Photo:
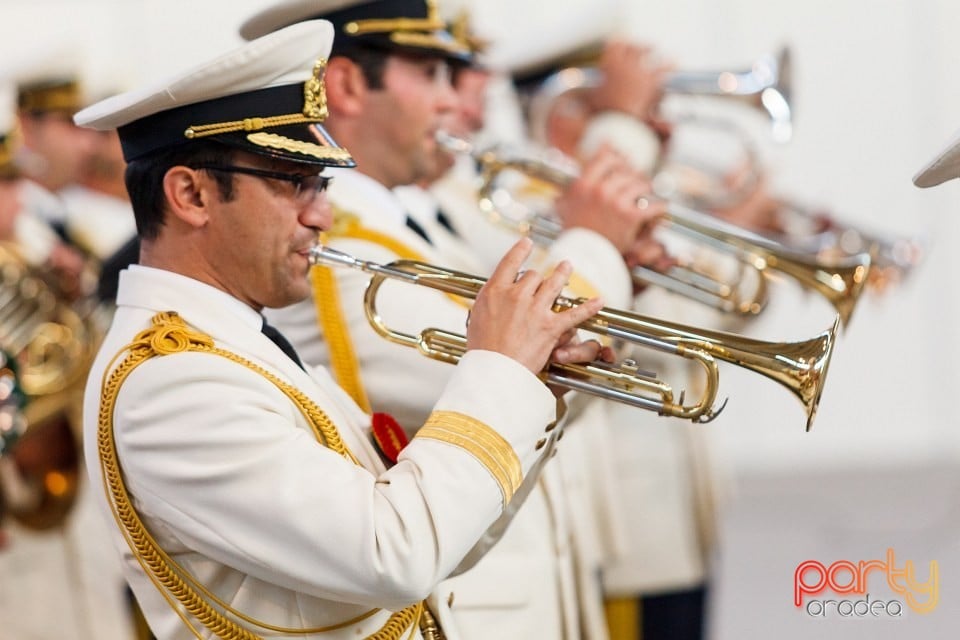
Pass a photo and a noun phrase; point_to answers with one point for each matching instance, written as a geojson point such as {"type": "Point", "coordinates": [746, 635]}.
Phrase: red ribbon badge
{"type": "Point", "coordinates": [388, 436]}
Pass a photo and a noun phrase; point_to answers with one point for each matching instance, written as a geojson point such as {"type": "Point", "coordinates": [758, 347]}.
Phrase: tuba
{"type": "Point", "coordinates": [48, 346]}
{"type": "Point", "coordinates": [801, 367]}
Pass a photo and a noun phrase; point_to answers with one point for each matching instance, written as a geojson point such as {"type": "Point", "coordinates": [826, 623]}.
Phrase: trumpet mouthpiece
{"type": "Point", "coordinates": [452, 143]}
{"type": "Point", "coordinates": [327, 256]}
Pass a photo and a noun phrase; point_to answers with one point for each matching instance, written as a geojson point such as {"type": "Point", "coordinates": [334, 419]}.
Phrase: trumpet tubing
{"type": "Point", "coordinates": [765, 86]}
{"type": "Point", "coordinates": [682, 279]}
{"type": "Point", "coordinates": [840, 281]}
{"type": "Point", "coordinates": [801, 367]}
{"type": "Point", "coordinates": [819, 233]}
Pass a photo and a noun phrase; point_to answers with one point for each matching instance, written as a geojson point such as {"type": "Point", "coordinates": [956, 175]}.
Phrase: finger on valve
{"type": "Point", "coordinates": [516, 317]}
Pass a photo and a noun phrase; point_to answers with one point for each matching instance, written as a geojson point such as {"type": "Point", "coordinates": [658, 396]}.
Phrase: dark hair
{"type": "Point", "coordinates": [371, 60]}
{"type": "Point", "coordinates": [144, 180]}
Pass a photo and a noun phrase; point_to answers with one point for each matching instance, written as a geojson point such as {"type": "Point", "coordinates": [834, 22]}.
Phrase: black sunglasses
{"type": "Point", "coordinates": [305, 184]}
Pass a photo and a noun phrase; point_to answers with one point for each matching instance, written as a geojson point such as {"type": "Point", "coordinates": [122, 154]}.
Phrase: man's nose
{"type": "Point", "coordinates": [318, 214]}
{"type": "Point", "coordinates": [447, 99]}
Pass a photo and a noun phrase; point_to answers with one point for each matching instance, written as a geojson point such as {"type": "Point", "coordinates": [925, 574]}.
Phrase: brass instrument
{"type": "Point", "coordinates": [802, 229]}
{"type": "Point", "coordinates": [799, 366]}
{"type": "Point", "coordinates": [819, 233]}
{"type": "Point", "coordinates": [839, 280]}
{"type": "Point", "coordinates": [499, 206]}
{"type": "Point", "coordinates": [765, 85]}
{"type": "Point", "coordinates": [12, 401]}
{"type": "Point", "coordinates": [51, 345]}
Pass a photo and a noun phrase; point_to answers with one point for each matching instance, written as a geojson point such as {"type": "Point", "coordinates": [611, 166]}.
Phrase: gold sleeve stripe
{"type": "Point", "coordinates": [504, 462]}
{"type": "Point", "coordinates": [498, 447]}
{"type": "Point", "coordinates": [480, 441]}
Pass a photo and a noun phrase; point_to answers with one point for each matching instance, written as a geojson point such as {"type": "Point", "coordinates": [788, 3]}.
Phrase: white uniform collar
{"type": "Point", "coordinates": [203, 306]}
{"type": "Point", "coordinates": [363, 196]}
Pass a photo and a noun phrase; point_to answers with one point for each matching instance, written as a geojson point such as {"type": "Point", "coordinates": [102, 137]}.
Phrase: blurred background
{"type": "Point", "coordinates": [875, 95]}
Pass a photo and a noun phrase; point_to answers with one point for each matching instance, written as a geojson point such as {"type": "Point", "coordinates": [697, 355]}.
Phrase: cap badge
{"type": "Point", "coordinates": [315, 93]}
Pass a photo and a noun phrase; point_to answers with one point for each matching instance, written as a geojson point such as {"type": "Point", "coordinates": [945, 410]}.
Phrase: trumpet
{"type": "Point", "coordinates": [801, 367]}
{"type": "Point", "coordinates": [818, 233]}
{"type": "Point", "coordinates": [799, 227]}
{"type": "Point", "coordinates": [498, 205]}
{"type": "Point", "coordinates": [839, 280]}
{"type": "Point", "coordinates": [765, 85]}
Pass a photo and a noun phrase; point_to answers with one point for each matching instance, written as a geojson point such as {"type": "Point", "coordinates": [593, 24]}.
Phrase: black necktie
{"type": "Point", "coordinates": [277, 338]}
{"type": "Point", "coordinates": [444, 221]}
{"type": "Point", "coordinates": [415, 226]}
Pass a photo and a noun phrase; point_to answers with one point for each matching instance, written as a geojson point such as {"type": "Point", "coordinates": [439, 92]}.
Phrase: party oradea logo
{"type": "Point", "coordinates": [864, 589]}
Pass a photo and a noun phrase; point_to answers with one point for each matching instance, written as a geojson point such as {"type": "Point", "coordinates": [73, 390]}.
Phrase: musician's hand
{"type": "Point", "coordinates": [632, 80]}
{"type": "Point", "coordinates": [605, 199]}
{"type": "Point", "coordinates": [67, 264]}
{"type": "Point", "coordinates": [573, 351]}
{"type": "Point", "coordinates": [513, 313]}
{"type": "Point", "coordinates": [663, 128]}
{"type": "Point", "coordinates": [758, 211]}
{"type": "Point", "coordinates": [647, 251]}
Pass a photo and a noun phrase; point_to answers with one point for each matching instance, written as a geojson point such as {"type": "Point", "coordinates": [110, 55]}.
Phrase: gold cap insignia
{"type": "Point", "coordinates": [315, 93]}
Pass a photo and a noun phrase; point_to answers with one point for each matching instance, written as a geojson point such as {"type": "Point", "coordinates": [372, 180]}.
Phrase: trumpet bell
{"type": "Point", "coordinates": [801, 367]}
{"type": "Point", "coordinates": [840, 281]}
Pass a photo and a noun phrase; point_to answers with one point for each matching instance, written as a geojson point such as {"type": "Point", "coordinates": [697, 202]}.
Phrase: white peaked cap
{"type": "Point", "coordinates": [538, 36]}
{"type": "Point", "coordinates": [944, 166]}
{"type": "Point", "coordinates": [254, 97]}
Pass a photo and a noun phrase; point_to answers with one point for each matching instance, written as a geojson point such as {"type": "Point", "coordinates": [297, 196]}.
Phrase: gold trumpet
{"type": "Point", "coordinates": [801, 367]}
{"type": "Point", "coordinates": [499, 206]}
{"type": "Point", "coordinates": [765, 86]}
{"type": "Point", "coordinates": [839, 280]}
{"type": "Point", "coordinates": [818, 232]}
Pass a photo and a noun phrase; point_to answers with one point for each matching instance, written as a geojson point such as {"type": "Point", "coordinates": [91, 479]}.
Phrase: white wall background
{"type": "Point", "coordinates": [877, 92]}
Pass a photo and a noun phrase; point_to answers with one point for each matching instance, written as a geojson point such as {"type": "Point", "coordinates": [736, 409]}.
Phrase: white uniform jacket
{"type": "Point", "coordinates": [523, 587]}
{"type": "Point", "coordinates": [228, 477]}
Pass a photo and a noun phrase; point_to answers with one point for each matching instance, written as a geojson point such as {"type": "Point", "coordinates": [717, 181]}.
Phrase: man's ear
{"type": "Point", "coordinates": [346, 87]}
{"type": "Point", "coordinates": [188, 193]}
